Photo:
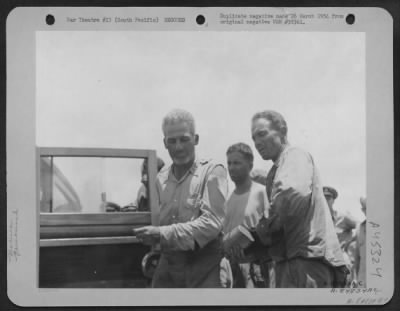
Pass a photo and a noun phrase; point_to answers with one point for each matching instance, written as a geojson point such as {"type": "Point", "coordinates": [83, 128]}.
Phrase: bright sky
{"type": "Point", "coordinates": [112, 89]}
{"type": "Point", "coordinates": [118, 178]}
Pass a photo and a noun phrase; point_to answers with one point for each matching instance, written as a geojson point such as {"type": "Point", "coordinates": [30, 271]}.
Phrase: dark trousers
{"type": "Point", "coordinates": [185, 270]}
{"type": "Point", "coordinates": [303, 273]}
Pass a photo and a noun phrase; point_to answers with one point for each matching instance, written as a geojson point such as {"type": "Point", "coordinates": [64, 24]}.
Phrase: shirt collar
{"type": "Point", "coordinates": [194, 166]}
{"type": "Point", "coordinates": [192, 170]}
{"type": "Point", "coordinates": [278, 161]}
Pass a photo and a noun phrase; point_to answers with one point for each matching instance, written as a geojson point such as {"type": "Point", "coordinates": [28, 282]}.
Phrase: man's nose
{"type": "Point", "coordinates": [178, 144]}
{"type": "Point", "coordinates": [255, 139]}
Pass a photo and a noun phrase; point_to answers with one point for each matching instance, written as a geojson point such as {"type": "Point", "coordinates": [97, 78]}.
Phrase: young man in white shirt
{"type": "Point", "coordinates": [246, 205]}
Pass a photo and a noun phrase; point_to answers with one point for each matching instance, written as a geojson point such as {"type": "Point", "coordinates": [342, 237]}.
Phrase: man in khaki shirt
{"type": "Point", "coordinates": [344, 226]}
{"type": "Point", "coordinates": [191, 194]}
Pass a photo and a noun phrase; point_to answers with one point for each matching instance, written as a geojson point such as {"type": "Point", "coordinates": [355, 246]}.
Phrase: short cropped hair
{"type": "Point", "coordinates": [277, 121]}
{"type": "Point", "coordinates": [244, 149]}
{"type": "Point", "coordinates": [177, 116]}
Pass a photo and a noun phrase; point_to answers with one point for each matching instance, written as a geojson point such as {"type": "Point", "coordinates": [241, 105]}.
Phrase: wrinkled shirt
{"type": "Point", "coordinates": [246, 209]}
{"type": "Point", "coordinates": [184, 219]}
{"type": "Point", "coordinates": [296, 197]}
{"type": "Point", "coordinates": [243, 213]}
{"type": "Point", "coordinates": [344, 226]}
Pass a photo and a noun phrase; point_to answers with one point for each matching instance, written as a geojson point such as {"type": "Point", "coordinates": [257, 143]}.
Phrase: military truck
{"type": "Point", "coordinates": [87, 211]}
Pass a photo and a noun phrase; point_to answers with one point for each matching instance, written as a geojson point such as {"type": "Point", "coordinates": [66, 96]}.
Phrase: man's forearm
{"type": "Point", "coordinates": [183, 236]}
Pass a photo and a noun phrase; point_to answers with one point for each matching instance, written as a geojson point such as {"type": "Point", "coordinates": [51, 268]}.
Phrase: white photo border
{"type": "Point", "coordinates": [22, 197]}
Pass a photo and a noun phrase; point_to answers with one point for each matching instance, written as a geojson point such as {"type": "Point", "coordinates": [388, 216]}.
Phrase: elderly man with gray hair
{"type": "Point", "coordinates": [191, 194]}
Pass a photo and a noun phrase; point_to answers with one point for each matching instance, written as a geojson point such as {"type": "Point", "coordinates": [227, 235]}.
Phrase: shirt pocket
{"type": "Point", "coordinates": [190, 210]}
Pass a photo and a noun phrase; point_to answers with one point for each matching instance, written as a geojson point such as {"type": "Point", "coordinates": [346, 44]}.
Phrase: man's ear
{"type": "Point", "coordinates": [283, 138]}
{"type": "Point", "coordinates": [165, 143]}
{"type": "Point", "coordinates": [196, 139]}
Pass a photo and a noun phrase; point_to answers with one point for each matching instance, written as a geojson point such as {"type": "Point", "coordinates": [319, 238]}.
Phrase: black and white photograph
{"type": "Point", "coordinates": [167, 159]}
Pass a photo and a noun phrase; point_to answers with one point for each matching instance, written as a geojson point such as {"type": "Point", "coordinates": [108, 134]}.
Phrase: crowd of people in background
{"type": "Point", "coordinates": [277, 229]}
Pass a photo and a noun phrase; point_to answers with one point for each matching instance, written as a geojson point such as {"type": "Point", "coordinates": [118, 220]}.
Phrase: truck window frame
{"type": "Point", "coordinates": [70, 229]}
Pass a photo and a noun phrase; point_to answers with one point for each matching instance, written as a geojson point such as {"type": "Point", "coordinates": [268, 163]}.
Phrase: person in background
{"type": "Point", "coordinates": [330, 195]}
{"type": "Point", "coordinates": [360, 258]}
{"type": "Point", "coordinates": [246, 205]}
{"type": "Point", "coordinates": [344, 226]}
{"type": "Point", "coordinates": [142, 201]}
{"type": "Point", "coordinates": [191, 194]}
{"type": "Point", "coordinates": [299, 229]}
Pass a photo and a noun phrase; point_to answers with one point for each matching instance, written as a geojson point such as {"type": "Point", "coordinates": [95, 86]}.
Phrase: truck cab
{"type": "Point", "coordinates": [88, 208]}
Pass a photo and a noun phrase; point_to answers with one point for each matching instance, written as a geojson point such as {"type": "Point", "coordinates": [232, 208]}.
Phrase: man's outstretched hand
{"type": "Point", "coordinates": [148, 235]}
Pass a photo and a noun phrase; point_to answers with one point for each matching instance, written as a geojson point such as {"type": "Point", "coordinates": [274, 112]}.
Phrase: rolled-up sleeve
{"type": "Point", "coordinates": [206, 227]}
